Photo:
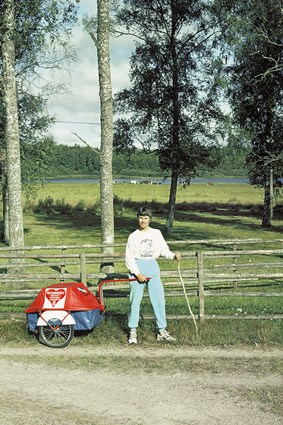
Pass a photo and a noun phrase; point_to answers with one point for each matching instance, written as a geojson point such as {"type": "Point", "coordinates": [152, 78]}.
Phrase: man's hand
{"type": "Point", "coordinates": [141, 278]}
{"type": "Point", "coordinates": [177, 256]}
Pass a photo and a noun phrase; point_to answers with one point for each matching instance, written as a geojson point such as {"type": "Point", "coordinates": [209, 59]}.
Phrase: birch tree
{"type": "Point", "coordinates": [34, 34]}
{"type": "Point", "coordinates": [106, 120]}
{"type": "Point", "coordinates": [12, 139]}
{"type": "Point", "coordinates": [253, 32]}
{"type": "Point", "coordinates": [101, 40]}
{"type": "Point", "coordinates": [172, 103]}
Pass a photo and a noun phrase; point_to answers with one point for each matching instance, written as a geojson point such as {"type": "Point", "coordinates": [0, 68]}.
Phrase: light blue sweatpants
{"type": "Point", "coordinates": [149, 268]}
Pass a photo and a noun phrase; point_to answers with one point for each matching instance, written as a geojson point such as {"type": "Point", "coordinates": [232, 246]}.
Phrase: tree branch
{"type": "Point", "coordinates": [82, 140]}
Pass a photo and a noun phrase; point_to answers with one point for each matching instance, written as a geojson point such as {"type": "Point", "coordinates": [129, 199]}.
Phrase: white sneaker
{"type": "Point", "coordinates": [165, 336]}
{"type": "Point", "coordinates": [133, 337]}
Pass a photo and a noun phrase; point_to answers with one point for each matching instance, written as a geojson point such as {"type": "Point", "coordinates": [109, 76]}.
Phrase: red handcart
{"type": "Point", "coordinates": [61, 309]}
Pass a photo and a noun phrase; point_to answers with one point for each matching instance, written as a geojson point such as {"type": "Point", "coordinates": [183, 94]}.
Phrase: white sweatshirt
{"type": "Point", "coordinates": [145, 245]}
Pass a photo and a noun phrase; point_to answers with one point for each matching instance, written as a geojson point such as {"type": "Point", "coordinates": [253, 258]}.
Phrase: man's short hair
{"type": "Point", "coordinates": [144, 211]}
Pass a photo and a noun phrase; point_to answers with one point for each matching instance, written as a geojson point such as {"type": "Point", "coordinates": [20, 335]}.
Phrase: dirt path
{"type": "Point", "coordinates": [46, 386]}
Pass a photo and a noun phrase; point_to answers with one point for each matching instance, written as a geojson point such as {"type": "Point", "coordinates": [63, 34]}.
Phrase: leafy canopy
{"type": "Point", "coordinates": [171, 105]}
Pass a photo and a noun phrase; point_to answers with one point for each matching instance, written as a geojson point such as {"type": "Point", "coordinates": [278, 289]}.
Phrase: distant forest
{"type": "Point", "coordinates": [84, 161]}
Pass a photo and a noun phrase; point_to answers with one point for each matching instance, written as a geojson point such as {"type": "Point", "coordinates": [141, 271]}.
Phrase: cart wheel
{"type": "Point", "coordinates": [56, 335]}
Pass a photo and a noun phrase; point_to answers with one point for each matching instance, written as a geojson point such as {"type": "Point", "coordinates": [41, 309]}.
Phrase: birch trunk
{"type": "Point", "coordinates": [12, 140]}
{"type": "Point", "coordinates": [106, 120]}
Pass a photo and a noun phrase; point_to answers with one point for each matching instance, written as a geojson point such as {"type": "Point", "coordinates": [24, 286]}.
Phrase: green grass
{"type": "Point", "coordinates": [113, 331]}
{"type": "Point", "coordinates": [223, 211]}
{"type": "Point", "coordinates": [68, 214]}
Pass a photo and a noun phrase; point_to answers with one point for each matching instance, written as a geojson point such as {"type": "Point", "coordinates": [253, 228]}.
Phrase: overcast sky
{"type": "Point", "coordinates": [82, 104]}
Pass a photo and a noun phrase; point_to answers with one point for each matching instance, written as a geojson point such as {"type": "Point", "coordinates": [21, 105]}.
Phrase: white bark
{"type": "Point", "coordinates": [12, 140]}
{"type": "Point", "coordinates": [106, 119]}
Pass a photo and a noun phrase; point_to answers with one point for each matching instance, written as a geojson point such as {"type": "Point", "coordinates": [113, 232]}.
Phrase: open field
{"type": "Point", "coordinates": [69, 213]}
{"type": "Point", "coordinates": [227, 193]}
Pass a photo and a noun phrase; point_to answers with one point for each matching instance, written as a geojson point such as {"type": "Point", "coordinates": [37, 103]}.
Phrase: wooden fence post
{"type": "Point", "coordinates": [235, 268]}
{"type": "Point", "coordinates": [83, 268]}
{"type": "Point", "coordinates": [200, 285]}
{"type": "Point", "coordinates": [63, 265]}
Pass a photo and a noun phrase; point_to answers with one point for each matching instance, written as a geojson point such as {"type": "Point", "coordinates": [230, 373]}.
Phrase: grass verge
{"type": "Point", "coordinates": [113, 330]}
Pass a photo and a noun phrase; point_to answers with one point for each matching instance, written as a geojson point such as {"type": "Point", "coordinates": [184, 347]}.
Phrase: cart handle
{"type": "Point", "coordinates": [100, 290]}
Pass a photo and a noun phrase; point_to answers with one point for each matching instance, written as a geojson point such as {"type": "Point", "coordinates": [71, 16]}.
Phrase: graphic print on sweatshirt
{"type": "Point", "coordinates": [146, 248]}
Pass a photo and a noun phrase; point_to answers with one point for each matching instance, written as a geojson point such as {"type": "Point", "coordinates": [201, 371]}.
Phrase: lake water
{"type": "Point", "coordinates": [154, 181]}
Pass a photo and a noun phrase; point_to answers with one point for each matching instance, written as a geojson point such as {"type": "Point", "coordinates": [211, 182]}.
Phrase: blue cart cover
{"type": "Point", "coordinates": [84, 320]}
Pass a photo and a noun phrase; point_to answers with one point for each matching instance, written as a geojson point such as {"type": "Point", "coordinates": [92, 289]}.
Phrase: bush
{"type": "Point", "coordinates": [48, 206]}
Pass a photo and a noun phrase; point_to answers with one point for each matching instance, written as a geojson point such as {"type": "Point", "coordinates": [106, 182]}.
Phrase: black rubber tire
{"type": "Point", "coordinates": [56, 335]}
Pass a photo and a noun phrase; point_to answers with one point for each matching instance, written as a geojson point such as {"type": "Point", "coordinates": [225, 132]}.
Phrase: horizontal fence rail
{"type": "Point", "coordinates": [215, 268]}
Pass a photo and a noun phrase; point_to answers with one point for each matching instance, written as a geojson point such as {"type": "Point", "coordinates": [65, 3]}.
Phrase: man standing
{"type": "Point", "coordinates": [143, 248]}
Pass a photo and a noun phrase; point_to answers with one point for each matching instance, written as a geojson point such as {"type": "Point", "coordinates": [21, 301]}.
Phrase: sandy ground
{"type": "Point", "coordinates": [33, 391]}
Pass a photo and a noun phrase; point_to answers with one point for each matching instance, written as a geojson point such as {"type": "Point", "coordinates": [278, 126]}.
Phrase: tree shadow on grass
{"type": "Point", "coordinates": [55, 268]}
{"type": "Point", "coordinates": [202, 213]}
{"type": "Point", "coordinates": [120, 318]}
{"type": "Point", "coordinates": [229, 215]}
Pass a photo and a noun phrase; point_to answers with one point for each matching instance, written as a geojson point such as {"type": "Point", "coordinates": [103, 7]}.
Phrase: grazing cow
{"type": "Point", "coordinates": [185, 183]}
{"type": "Point", "coordinates": [277, 185]}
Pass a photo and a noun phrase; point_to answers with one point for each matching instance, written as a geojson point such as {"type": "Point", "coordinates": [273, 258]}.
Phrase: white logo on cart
{"type": "Point", "coordinates": [82, 290]}
{"type": "Point", "coordinates": [55, 298]}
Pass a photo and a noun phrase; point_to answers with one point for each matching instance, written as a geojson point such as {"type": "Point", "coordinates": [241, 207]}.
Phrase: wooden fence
{"type": "Point", "coordinates": [214, 268]}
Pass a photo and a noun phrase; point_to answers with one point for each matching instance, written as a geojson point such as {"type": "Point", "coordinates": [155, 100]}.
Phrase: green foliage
{"type": "Point", "coordinates": [39, 26]}
{"type": "Point", "coordinates": [36, 161]}
{"type": "Point", "coordinates": [78, 160]}
{"type": "Point", "coordinates": [231, 158]}
{"type": "Point", "coordinates": [82, 160]}
{"type": "Point", "coordinates": [49, 206]}
{"type": "Point", "coordinates": [74, 160]}
{"type": "Point", "coordinates": [41, 30]}
{"type": "Point", "coordinates": [254, 34]}
{"type": "Point", "coordinates": [36, 147]}
{"type": "Point", "coordinates": [171, 105]}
